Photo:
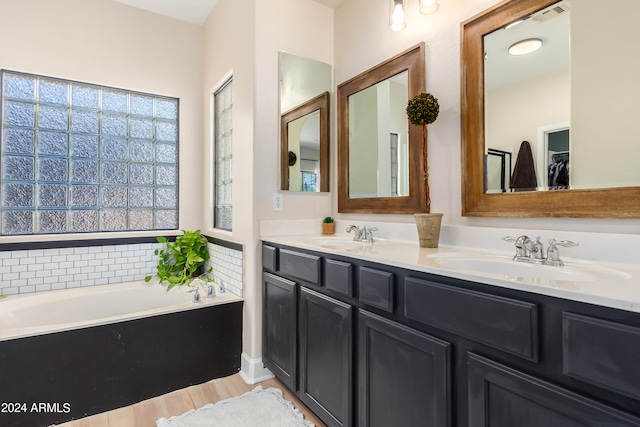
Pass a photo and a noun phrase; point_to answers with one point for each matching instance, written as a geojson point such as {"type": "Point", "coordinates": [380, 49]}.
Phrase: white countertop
{"type": "Point", "coordinates": [606, 284]}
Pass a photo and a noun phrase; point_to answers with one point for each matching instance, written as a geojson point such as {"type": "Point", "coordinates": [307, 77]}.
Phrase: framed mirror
{"type": "Point", "coordinates": [303, 81]}
{"type": "Point", "coordinates": [583, 119]}
{"type": "Point", "coordinates": [378, 151]}
{"type": "Point", "coordinates": [304, 147]}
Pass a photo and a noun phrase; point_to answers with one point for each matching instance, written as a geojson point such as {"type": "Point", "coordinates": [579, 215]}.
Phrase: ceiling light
{"type": "Point", "coordinates": [525, 46]}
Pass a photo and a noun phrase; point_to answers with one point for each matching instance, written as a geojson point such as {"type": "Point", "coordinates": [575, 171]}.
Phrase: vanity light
{"type": "Point", "coordinates": [525, 46]}
{"type": "Point", "coordinates": [428, 7]}
{"type": "Point", "coordinates": [398, 8]}
{"type": "Point", "coordinates": [397, 15]}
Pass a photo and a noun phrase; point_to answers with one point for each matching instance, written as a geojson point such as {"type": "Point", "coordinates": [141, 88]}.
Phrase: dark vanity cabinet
{"type": "Point", "coordinates": [369, 344]}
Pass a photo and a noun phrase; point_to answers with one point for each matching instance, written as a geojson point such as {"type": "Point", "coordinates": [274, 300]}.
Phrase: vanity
{"type": "Point", "coordinates": [388, 333]}
{"type": "Point", "coordinates": [391, 334]}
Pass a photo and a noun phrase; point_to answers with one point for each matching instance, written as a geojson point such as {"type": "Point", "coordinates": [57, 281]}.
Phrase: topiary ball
{"type": "Point", "coordinates": [423, 109]}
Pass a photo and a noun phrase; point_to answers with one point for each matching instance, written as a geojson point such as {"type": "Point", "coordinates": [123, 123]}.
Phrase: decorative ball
{"type": "Point", "coordinates": [292, 158]}
{"type": "Point", "coordinates": [423, 109]}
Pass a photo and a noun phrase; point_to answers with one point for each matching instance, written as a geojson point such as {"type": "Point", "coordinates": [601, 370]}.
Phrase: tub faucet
{"type": "Point", "coordinates": [208, 289]}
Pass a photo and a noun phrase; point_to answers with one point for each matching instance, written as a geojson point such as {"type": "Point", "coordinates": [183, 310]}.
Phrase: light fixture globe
{"type": "Point", "coordinates": [427, 7]}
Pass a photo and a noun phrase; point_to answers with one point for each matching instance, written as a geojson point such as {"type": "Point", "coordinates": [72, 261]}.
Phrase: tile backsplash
{"type": "Point", "coordinates": [41, 270]}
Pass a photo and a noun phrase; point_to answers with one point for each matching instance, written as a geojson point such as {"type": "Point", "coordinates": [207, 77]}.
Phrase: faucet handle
{"type": "Point", "coordinates": [564, 243]}
{"type": "Point", "coordinates": [367, 234]}
{"type": "Point", "coordinates": [211, 291]}
{"type": "Point", "coordinates": [509, 239]}
{"type": "Point", "coordinates": [553, 254]}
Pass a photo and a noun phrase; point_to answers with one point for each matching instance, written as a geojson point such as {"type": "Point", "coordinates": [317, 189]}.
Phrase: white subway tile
{"type": "Point", "coordinates": [37, 281]}
{"type": "Point", "coordinates": [33, 253]}
{"type": "Point", "coordinates": [19, 268]}
{"type": "Point", "coordinates": [17, 283]}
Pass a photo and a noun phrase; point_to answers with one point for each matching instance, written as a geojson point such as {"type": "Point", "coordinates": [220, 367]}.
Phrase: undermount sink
{"type": "Point", "coordinates": [507, 268]}
{"type": "Point", "coordinates": [340, 243]}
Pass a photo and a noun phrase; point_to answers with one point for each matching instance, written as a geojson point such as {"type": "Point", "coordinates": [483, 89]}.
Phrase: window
{"type": "Point", "coordinates": [223, 125]}
{"type": "Point", "coordinates": [80, 158]}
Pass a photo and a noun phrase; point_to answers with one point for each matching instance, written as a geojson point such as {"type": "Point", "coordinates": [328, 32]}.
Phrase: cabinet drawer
{"type": "Point", "coordinates": [602, 353]}
{"type": "Point", "coordinates": [338, 277]}
{"type": "Point", "coordinates": [375, 288]}
{"type": "Point", "coordinates": [302, 266]}
{"type": "Point", "coordinates": [269, 258]}
{"type": "Point", "coordinates": [506, 324]}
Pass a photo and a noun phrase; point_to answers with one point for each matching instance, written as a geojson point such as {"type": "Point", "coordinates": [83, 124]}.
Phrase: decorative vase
{"type": "Point", "coordinates": [428, 229]}
{"type": "Point", "coordinates": [328, 228]}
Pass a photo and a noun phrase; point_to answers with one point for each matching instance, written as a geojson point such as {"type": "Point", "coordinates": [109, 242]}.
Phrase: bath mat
{"type": "Point", "coordinates": [264, 408]}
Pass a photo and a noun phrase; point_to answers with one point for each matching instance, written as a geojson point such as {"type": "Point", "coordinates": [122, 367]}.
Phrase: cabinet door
{"type": "Point", "coordinates": [404, 375]}
{"type": "Point", "coordinates": [326, 353]}
{"type": "Point", "coordinates": [279, 320]}
{"type": "Point", "coordinates": [500, 396]}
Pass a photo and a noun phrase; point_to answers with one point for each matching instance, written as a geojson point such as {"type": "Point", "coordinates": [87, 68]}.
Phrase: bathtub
{"type": "Point", "coordinates": [35, 314]}
{"type": "Point", "coordinates": [73, 353]}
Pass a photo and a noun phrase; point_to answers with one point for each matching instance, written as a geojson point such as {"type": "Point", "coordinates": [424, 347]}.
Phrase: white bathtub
{"type": "Point", "coordinates": [41, 313]}
{"type": "Point", "coordinates": [99, 348]}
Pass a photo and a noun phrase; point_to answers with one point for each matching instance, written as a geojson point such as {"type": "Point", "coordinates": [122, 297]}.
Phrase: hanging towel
{"type": "Point", "coordinates": [524, 172]}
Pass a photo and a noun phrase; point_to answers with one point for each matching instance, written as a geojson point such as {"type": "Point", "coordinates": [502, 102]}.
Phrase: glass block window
{"type": "Point", "coordinates": [79, 158]}
{"type": "Point", "coordinates": [223, 126]}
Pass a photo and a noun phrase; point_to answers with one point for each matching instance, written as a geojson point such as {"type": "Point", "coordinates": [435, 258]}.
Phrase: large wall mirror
{"type": "Point", "coordinates": [571, 99]}
{"type": "Point", "coordinates": [304, 126]}
{"type": "Point", "coordinates": [378, 151]}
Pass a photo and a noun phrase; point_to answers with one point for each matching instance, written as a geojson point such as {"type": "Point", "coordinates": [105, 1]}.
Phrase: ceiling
{"type": "Point", "coordinates": [194, 11]}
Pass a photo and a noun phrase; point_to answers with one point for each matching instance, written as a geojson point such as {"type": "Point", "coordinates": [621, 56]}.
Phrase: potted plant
{"type": "Point", "coordinates": [328, 226]}
{"type": "Point", "coordinates": [182, 260]}
{"type": "Point", "coordinates": [422, 110]}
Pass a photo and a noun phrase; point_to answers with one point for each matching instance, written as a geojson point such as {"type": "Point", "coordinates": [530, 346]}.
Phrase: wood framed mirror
{"type": "Point", "coordinates": [304, 147]}
{"type": "Point", "coordinates": [378, 151]}
{"type": "Point", "coordinates": [591, 114]}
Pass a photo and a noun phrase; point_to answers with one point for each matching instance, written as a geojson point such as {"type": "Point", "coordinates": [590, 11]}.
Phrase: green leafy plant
{"type": "Point", "coordinates": [328, 220]}
{"type": "Point", "coordinates": [181, 261]}
{"type": "Point", "coordinates": [422, 110]}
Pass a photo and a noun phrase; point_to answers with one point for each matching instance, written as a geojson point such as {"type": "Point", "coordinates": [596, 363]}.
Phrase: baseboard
{"type": "Point", "coordinates": [253, 371]}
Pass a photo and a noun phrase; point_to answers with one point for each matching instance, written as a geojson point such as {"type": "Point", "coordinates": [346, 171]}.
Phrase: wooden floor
{"type": "Point", "coordinates": [146, 413]}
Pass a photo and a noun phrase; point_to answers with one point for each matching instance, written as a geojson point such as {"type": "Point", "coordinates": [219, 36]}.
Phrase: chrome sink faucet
{"type": "Point", "coordinates": [532, 251]}
{"type": "Point", "coordinates": [364, 234]}
{"type": "Point", "coordinates": [357, 235]}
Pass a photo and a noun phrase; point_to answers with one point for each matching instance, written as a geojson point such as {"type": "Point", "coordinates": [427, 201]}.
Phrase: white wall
{"type": "Point", "coordinates": [108, 43]}
{"type": "Point", "coordinates": [244, 38]}
{"type": "Point", "coordinates": [363, 39]}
